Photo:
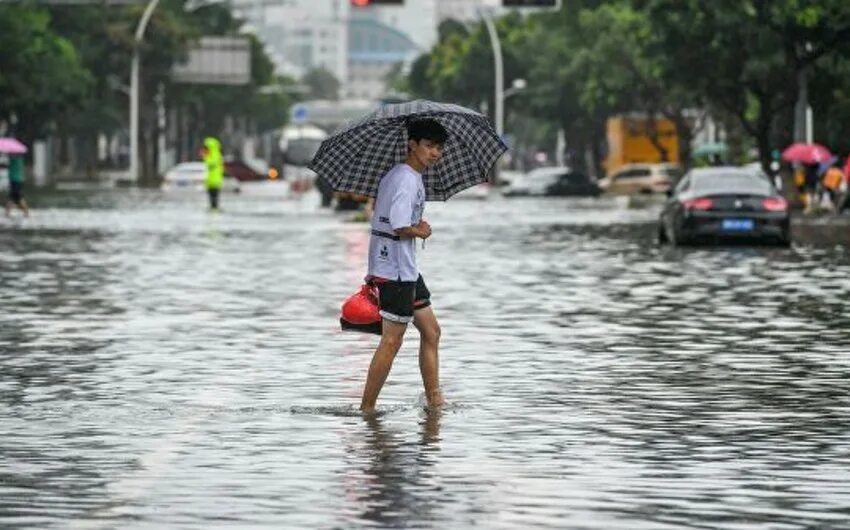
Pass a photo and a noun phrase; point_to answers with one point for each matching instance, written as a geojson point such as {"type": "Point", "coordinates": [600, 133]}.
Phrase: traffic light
{"type": "Point", "coordinates": [530, 3]}
{"type": "Point", "coordinates": [367, 3]}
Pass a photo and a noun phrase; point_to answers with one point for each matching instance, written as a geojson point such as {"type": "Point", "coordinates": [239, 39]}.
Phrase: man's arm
{"type": "Point", "coordinates": [421, 230]}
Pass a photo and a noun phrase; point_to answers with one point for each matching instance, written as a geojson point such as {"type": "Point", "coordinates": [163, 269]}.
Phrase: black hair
{"type": "Point", "coordinates": [427, 129]}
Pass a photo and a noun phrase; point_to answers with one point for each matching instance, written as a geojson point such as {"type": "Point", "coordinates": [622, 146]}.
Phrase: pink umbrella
{"type": "Point", "coordinates": [806, 153]}
{"type": "Point", "coordinates": [12, 146]}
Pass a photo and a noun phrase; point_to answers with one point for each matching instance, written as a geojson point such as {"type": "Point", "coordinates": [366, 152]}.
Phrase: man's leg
{"type": "Point", "coordinates": [391, 338]}
{"type": "Point", "coordinates": [429, 360]}
{"type": "Point", "coordinates": [23, 205]}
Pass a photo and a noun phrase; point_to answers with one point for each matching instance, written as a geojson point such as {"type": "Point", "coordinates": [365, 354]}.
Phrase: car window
{"type": "Point", "coordinates": [633, 173]}
{"type": "Point", "coordinates": [573, 178]}
{"type": "Point", "coordinates": [684, 185]}
{"type": "Point", "coordinates": [673, 173]}
{"type": "Point", "coordinates": [732, 183]}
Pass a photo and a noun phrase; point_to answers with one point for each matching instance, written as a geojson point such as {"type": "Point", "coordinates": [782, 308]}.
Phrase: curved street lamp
{"type": "Point", "coordinates": [133, 172]}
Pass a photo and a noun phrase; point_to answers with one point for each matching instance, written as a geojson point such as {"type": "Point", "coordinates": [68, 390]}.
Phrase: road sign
{"type": "Point", "coordinates": [216, 60]}
{"type": "Point", "coordinates": [299, 113]}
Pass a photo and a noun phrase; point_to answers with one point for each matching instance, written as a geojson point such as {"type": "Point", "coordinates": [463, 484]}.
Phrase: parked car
{"type": "Point", "coordinates": [641, 178]}
{"type": "Point", "coordinates": [477, 192]}
{"type": "Point", "coordinates": [193, 175]}
{"type": "Point", "coordinates": [560, 181]}
{"type": "Point", "coordinates": [249, 170]}
{"type": "Point", "coordinates": [727, 203]}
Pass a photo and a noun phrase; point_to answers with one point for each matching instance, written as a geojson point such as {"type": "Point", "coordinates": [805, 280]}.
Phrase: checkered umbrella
{"type": "Point", "coordinates": [357, 156]}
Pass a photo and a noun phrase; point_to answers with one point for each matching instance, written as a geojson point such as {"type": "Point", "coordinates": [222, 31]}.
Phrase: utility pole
{"type": "Point", "coordinates": [803, 126]}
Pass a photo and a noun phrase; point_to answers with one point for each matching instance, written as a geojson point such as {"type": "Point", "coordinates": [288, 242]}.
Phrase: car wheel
{"type": "Point", "coordinates": [785, 239]}
{"type": "Point", "coordinates": [662, 235]}
{"type": "Point", "coordinates": [675, 239]}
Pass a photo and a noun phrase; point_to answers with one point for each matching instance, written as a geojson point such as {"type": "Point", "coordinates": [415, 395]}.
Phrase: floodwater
{"type": "Point", "coordinates": [166, 367]}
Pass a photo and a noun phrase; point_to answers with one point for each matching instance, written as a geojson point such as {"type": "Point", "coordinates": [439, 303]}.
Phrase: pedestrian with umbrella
{"type": "Point", "coordinates": [811, 156]}
{"type": "Point", "coordinates": [403, 155]}
{"type": "Point", "coordinates": [15, 150]}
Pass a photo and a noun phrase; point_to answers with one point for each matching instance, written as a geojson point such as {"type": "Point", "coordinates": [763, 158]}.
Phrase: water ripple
{"type": "Point", "coordinates": [163, 367]}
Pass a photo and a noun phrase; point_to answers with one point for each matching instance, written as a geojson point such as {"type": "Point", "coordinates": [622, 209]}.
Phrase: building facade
{"type": "Point", "coordinates": [375, 49]}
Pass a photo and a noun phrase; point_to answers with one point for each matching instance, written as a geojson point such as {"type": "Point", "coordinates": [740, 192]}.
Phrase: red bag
{"type": "Point", "coordinates": [360, 311]}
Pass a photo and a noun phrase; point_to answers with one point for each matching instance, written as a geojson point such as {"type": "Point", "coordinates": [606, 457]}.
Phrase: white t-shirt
{"type": "Point", "coordinates": [400, 203]}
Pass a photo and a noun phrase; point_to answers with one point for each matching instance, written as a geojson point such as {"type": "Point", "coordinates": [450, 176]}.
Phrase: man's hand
{"type": "Point", "coordinates": [424, 229]}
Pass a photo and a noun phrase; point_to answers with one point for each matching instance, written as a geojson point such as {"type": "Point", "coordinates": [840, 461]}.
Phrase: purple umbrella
{"type": "Point", "coordinates": [12, 146]}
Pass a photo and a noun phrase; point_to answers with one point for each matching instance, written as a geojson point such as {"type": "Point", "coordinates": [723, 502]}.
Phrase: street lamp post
{"type": "Point", "coordinates": [518, 85]}
{"type": "Point", "coordinates": [498, 63]}
{"type": "Point", "coordinates": [133, 172]}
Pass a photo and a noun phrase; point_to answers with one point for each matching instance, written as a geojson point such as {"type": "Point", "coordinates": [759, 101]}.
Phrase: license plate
{"type": "Point", "coordinates": [738, 225]}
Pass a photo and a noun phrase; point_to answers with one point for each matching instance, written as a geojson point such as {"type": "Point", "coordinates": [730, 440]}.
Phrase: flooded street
{"type": "Point", "coordinates": [166, 367]}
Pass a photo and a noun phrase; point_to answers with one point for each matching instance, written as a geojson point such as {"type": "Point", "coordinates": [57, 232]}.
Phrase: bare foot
{"type": "Point", "coordinates": [435, 401]}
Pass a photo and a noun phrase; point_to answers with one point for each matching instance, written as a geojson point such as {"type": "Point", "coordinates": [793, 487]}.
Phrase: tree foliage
{"type": "Point", "coordinates": [322, 84]}
{"type": "Point", "coordinates": [739, 60]}
{"type": "Point", "coordinates": [70, 69]}
{"type": "Point", "coordinates": [41, 73]}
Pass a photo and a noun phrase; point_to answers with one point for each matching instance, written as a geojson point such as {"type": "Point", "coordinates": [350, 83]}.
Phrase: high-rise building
{"type": "Point", "coordinates": [302, 34]}
{"type": "Point", "coordinates": [360, 46]}
{"type": "Point", "coordinates": [384, 38]}
{"type": "Point", "coordinates": [415, 18]}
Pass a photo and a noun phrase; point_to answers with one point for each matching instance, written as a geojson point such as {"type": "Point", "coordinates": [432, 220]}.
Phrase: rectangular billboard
{"type": "Point", "coordinates": [216, 61]}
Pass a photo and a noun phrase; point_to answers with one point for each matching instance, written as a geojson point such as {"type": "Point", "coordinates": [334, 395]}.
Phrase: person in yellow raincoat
{"type": "Point", "coordinates": [215, 169]}
{"type": "Point", "coordinates": [832, 180]}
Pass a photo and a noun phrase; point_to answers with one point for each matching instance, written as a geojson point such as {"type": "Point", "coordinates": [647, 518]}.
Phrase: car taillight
{"type": "Point", "coordinates": [775, 204]}
{"type": "Point", "coordinates": [698, 204]}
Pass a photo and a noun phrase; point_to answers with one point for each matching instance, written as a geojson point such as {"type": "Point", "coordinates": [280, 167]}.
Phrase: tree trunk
{"type": "Point", "coordinates": [685, 135]}
{"type": "Point", "coordinates": [652, 134]}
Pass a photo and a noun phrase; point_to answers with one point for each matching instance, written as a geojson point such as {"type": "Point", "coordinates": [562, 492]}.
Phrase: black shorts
{"type": "Point", "coordinates": [398, 300]}
{"type": "Point", "coordinates": [16, 192]}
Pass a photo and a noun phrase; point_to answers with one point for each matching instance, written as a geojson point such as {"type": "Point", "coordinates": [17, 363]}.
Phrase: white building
{"type": "Point", "coordinates": [305, 34]}
{"type": "Point", "coordinates": [374, 50]}
{"type": "Point", "coordinates": [417, 19]}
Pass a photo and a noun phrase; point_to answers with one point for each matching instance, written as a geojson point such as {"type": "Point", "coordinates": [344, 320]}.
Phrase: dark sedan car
{"type": "Point", "coordinates": [554, 181]}
{"type": "Point", "coordinates": [245, 171]}
{"type": "Point", "coordinates": [724, 203]}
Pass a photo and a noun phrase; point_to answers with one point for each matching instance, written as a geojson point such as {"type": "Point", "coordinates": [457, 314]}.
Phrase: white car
{"type": "Point", "coordinates": [479, 192]}
{"type": "Point", "coordinates": [641, 178]}
{"type": "Point", "coordinates": [192, 176]}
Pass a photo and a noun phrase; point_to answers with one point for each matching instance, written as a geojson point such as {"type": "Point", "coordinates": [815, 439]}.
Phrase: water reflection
{"type": "Point", "coordinates": [163, 367]}
{"type": "Point", "coordinates": [394, 482]}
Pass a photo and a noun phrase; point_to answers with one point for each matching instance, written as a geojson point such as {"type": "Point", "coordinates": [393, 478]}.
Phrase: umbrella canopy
{"type": "Point", "coordinates": [717, 148]}
{"type": "Point", "coordinates": [806, 153]}
{"type": "Point", "coordinates": [12, 147]}
{"type": "Point", "coordinates": [826, 164]}
{"type": "Point", "coordinates": [357, 156]}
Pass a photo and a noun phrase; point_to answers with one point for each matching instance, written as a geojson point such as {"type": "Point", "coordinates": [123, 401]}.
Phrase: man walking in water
{"type": "Point", "coordinates": [404, 298]}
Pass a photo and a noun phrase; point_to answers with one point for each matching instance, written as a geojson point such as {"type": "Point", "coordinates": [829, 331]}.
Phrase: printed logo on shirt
{"type": "Point", "coordinates": [384, 219]}
{"type": "Point", "coordinates": [384, 252]}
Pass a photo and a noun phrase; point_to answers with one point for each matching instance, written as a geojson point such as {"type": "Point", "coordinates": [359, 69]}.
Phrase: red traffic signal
{"type": "Point", "coordinates": [367, 3]}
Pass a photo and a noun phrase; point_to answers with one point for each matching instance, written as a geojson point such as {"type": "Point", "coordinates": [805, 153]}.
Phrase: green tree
{"type": "Point", "coordinates": [623, 68]}
{"type": "Point", "coordinates": [322, 84]}
{"type": "Point", "coordinates": [746, 56]}
{"type": "Point", "coordinates": [41, 74]}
